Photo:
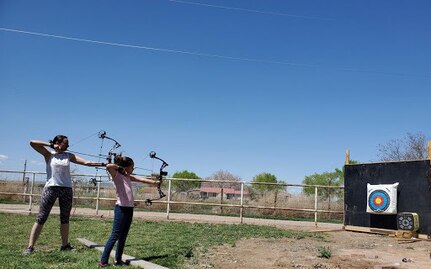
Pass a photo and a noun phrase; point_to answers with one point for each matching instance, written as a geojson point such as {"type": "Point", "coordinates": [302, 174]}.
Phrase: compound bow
{"type": "Point", "coordinates": [111, 154]}
{"type": "Point", "coordinates": [162, 173]}
{"type": "Point", "coordinates": [102, 135]}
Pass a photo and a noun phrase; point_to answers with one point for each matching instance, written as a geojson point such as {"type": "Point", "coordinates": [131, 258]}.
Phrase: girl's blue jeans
{"type": "Point", "coordinates": [122, 220]}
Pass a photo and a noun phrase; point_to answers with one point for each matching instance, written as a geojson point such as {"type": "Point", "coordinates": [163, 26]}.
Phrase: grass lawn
{"type": "Point", "coordinates": [163, 243]}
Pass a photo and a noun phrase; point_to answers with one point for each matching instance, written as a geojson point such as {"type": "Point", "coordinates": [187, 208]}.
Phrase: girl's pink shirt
{"type": "Point", "coordinates": [124, 192]}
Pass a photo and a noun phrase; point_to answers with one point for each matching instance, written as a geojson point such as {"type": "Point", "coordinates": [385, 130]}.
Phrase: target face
{"type": "Point", "coordinates": [379, 200]}
{"type": "Point", "coordinates": [382, 198]}
{"type": "Point", "coordinates": [405, 223]}
{"type": "Point", "coordinates": [408, 221]}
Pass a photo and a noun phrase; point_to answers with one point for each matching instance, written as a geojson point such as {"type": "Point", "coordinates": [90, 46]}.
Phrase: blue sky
{"type": "Point", "coordinates": [276, 86]}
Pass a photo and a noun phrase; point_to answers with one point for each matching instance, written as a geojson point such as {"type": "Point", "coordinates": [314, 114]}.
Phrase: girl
{"type": "Point", "coordinates": [121, 172]}
{"type": "Point", "coordinates": [58, 185]}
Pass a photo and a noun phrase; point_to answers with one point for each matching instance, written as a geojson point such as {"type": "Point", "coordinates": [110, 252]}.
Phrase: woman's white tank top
{"type": "Point", "coordinates": [58, 170]}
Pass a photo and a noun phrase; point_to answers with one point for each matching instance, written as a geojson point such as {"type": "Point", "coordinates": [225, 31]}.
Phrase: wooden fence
{"type": "Point", "coordinates": [29, 180]}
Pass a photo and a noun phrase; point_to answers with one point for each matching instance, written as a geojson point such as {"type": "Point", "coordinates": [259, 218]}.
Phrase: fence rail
{"type": "Point", "coordinates": [98, 179]}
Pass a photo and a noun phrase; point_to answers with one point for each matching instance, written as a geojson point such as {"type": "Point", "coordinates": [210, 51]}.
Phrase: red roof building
{"type": "Point", "coordinates": [229, 193]}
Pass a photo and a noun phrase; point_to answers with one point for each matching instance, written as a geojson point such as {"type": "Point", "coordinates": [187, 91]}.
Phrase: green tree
{"type": "Point", "coordinates": [266, 178]}
{"type": "Point", "coordinates": [335, 178]}
{"type": "Point", "coordinates": [182, 185]}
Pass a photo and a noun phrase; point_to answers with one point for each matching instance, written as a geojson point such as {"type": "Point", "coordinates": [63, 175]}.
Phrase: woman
{"type": "Point", "coordinates": [58, 185]}
{"type": "Point", "coordinates": [121, 172]}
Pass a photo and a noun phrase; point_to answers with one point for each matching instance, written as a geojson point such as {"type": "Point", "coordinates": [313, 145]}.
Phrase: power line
{"type": "Point", "coordinates": [251, 10]}
{"type": "Point", "coordinates": [152, 48]}
{"type": "Point", "coordinates": [210, 55]}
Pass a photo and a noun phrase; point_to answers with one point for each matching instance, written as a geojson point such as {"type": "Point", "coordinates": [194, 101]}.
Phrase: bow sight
{"type": "Point", "coordinates": [160, 176]}
{"type": "Point", "coordinates": [94, 181]}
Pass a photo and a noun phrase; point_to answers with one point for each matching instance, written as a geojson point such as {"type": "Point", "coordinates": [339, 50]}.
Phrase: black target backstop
{"type": "Point", "coordinates": [414, 192]}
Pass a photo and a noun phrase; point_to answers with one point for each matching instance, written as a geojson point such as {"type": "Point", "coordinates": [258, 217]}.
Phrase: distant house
{"type": "Point", "coordinates": [228, 193]}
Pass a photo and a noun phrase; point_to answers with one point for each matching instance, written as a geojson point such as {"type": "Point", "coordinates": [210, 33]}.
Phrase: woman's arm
{"type": "Point", "coordinates": [39, 146]}
{"type": "Point", "coordinates": [146, 180]}
{"type": "Point", "coordinates": [78, 160]}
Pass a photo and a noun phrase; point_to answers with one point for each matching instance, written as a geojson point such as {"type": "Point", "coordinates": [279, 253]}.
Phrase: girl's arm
{"type": "Point", "coordinates": [146, 180]}
{"type": "Point", "coordinates": [112, 169]}
{"type": "Point", "coordinates": [39, 146]}
{"type": "Point", "coordinates": [78, 160]}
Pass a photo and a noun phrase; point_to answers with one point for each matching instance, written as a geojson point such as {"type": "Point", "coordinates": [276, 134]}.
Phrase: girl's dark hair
{"type": "Point", "coordinates": [122, 162]}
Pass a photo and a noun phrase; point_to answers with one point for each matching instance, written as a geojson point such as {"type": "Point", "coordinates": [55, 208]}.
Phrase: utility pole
{"type": "Point", "coordinates": [24, 180]}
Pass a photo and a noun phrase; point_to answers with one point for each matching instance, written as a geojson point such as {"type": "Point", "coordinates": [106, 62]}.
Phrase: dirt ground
{"type": "Point", "coordinates": [347, 249]}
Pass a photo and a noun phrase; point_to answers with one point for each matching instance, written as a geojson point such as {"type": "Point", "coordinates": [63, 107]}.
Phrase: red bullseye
{"type": "Point", "coordinates": [378, 200]}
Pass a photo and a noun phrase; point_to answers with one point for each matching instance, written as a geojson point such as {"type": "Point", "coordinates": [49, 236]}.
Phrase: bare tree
{"type": "Point", "coordinates": [223, 176]}
{"type": "Point", "coordinates": [411, 147]}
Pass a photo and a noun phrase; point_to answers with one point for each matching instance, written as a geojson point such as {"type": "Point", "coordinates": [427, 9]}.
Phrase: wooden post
{"type": "Point", "coordinates": [98, 196]}
{"type": "Point", "coordinates": [25, 169]}
{"type": "Point", "coordinates": [221, 201]}
{"type": "Point", "coordinates": [168, 206]}
{"type": "Point", "coordinates": [242, 203]}
{"type": "Point", "coordinates": [429, 150]}
{"type": "Point", "coordinates": [347, 161]}
{"type": "Point", "coordinates": [30, 203]}
{"type": "Point", "coordinates": [315, 206]}
{"type": "Point", "coordinates": [25, 181]}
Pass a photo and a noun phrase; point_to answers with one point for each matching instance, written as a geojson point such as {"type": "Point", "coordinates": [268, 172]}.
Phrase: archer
{"type": "Point", "coordinates": [121, 173]}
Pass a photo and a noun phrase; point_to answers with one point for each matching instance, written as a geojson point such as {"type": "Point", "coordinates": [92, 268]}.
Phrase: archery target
{"type": "Point", "coordinates": [382, 199]}
{"type": "Point", "coordinates": [379, 200]}
{"type": "Point", "coordinates": [408, 221]}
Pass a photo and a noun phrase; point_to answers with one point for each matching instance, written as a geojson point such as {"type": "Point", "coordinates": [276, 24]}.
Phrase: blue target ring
{"type": "Point", "coordinates": [379, 200]}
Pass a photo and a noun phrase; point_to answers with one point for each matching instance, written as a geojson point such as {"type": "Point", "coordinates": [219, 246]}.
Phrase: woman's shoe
{"type": "Point", "coordinates": [67, 247]}
{"type": "Point", "coordinates": [28, 251]}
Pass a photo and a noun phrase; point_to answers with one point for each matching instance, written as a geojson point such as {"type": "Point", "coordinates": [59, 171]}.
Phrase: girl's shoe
{"type": "Point", "coordinates": [121, 263]}
{"type": "Point", "coordinates": [103, 265]}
